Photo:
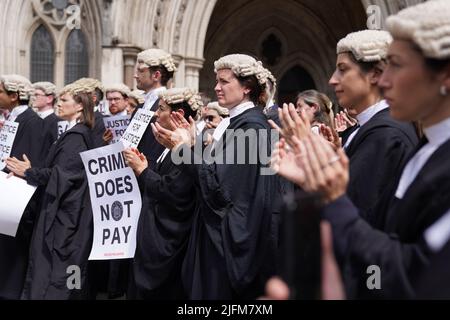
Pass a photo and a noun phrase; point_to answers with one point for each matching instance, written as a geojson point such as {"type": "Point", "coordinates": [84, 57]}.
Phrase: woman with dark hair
{"type": "Point", "coordinates": [231, 250]}
{"type": "Point", "coordinates": [416, 83]}
{"type": "Point", "coordinates": [167, 209]}
{"type": "Point", "coordinates": [62, 236]}
{"type": "Point", "coordinates": [379, 145]}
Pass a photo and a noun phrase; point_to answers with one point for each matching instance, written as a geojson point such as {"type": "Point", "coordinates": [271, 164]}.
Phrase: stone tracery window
{"type": "Point", "coordinates": [42, 55]}
{"type": "Point", "coordinates": [77, 59]}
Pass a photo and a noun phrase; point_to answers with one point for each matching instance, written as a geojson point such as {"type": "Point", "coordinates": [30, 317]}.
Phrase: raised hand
{"type": "Point", "coordinates": [179, 122]}
{"type": "Point", "coordinates": [292, 124]}
{"type": "Point", "coordinates": [107, 136]}
{"type": "Point", "coordinates": [18, 167]}
{"type": "Point", "coordinates": [331, 136]}
{"type": "Point", "coordinates": [339, 123]}
{"type": "Point", "coordinates": [285, 162]}
{"type": "Point", "coordinates": [326, 171]}
{"type": "Point", "coordinates": [135, 160]}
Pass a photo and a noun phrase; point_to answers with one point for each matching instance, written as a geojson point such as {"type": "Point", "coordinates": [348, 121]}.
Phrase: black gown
{"type": "Point", "coordinates": [398, 248]}
{"type": "Point", "coordinates": [231, 250]}
{"type": "Point", "coordinates": [163, 232]}
{"type": "Point", "coordinates": [376, 155]}
{"type": "Point", "coordinates": [31, 139]}
{"type": "Point", "coordinates": [63, 233]}
{"type": "Point", "coordinates": [434, 281]}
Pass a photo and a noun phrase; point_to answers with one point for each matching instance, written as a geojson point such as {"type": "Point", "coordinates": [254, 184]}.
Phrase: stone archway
{"type": "Point", "coordinates": [300, 32]}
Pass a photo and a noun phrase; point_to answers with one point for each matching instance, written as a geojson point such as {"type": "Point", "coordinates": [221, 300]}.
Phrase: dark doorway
{"type": "Point", "coordinates": [292, 83]}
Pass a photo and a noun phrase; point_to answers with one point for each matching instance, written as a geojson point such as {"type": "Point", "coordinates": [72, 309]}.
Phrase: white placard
{"type": "Point", "coordinates": [63, 126]}
{"type": "Point", "coordinates": [15, 194]}
{"type": "Point", "coordinates": [118, 125]}
{"type": "Point", "coordinates": [7, 136]}
{"type": "Point", "coordinates": [137, 127]}
{"type": "Point", "coordinates": [116, 203]}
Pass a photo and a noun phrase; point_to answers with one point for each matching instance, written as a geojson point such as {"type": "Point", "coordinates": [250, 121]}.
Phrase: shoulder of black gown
{"type": "Point", "coordinates": [251, 118]}
{"type": "Point", "coordinates": [383, 124]}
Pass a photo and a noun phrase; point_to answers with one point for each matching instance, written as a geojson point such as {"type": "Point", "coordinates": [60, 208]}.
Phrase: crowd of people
{"type": "Point", "coordinates": [212, 227]}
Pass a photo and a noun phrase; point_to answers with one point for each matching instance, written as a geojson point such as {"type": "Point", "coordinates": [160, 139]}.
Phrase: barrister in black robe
{"type": "Point", "coordinates": [62, 235]}
{"type": "Point", "coordinates": [378, 148]}
{"type": "Point", "coordinates": [30, 140]}
{"type": "Point", "coordinates": [376, 154]}
{"type": "Point", "coordinates": [231, 250]}
{"type": "Point", "coordinates": [155, 68]}
{"type": "Point", "coordinates": [421, 189]}
{"type": "Point", "coordinates": [398, 249]}
{"type": "Point", "coordinates": [168, 204]}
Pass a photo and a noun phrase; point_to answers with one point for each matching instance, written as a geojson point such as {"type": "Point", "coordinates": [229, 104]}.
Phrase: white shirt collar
{"type": "Point", "coordinates": [225, 123]}
{"type": "Point", "coordinates": [45, 113]}
{"type": "Point", "coordinates": [240, 109]}
{"type": "Point", "coordinates": [154, 92]}
{"type": "Point", "coordinates": [72, 124]}
{"type": "Point", "coordinates": [17, 111]}
{"type": "Point", "coordinates": [438, 133]}
{"type": "Point", "coordinates": [152, 96]}
{"type": "Point", "coordinates": [368, 114]}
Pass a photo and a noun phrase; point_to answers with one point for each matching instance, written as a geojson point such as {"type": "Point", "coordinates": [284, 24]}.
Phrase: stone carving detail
{"type": "Point", "coordinates": [178, 23]}
{"type": "Point", "coordinates": [157, 24]}
{"type": "Point", "coordinates": [54, 11]}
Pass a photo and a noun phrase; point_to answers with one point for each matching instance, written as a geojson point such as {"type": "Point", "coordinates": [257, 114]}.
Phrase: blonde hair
{"type": "Point", "coordinates": [325, 113]}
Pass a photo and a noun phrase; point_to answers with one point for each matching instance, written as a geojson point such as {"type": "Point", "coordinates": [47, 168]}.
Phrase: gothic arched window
{"type": "Point", "coordinates": [77, 59]}
{"type": "Point", "coordinates": [42, 55]}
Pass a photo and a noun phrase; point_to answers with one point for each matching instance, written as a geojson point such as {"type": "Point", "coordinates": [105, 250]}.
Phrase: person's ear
{"type": "Point", "coordinates": [50, 99]}
{"type": "Point", "coordinates": [315, 107]}
{"type": "Point", "coordinates": [157, 75]}
{"type": "Point", "coordinates": [79, 107]}
{"type": "Point", "coordinates": [376, 73]}
{"type": "Point", "coordinates": [181, 111]}
{"type": "Point", "coordinates": [446, 79]}
{"type": "Point", "coordinates": [14, 97]}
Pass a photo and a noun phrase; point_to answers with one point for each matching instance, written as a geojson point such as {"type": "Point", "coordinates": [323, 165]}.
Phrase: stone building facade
{"type": "Point", "coordinates": [61, 40]}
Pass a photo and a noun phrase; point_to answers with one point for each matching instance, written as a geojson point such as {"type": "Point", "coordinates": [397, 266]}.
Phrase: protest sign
{"type": "Point", "coordinates": [7, 136]}
{"type": "Point", "coordinates": [118, 125]}
{"type": "Point", "coordinates": [136, 128]}
{"type": "Point", "coordinates": [15, 194]}
{"type": "Point", "coordinates": [116, 203]}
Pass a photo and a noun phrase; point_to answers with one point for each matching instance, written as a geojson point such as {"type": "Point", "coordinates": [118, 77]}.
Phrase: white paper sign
{"type": "Point", "coordinates": [118, 125]}
{"type": "Point", "coordinates": [63, 126]}
{"type": "Point", "coordinates": [137, 127]}
{"type": "Point", "coordinates": [15, 194]}
{"type": "Point", "coordinates": [7, 136]}
{"type": "Point", "coordinates": [116, 203]}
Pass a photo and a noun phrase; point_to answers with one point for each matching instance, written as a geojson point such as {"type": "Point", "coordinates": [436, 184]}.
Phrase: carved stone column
{"type": "Point", "coordinates": [129, 63]}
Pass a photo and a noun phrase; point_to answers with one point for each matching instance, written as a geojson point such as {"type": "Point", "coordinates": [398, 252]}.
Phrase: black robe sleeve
{"type": "Point", "coordinates": [360, 246]}
{"type": "Point", "coordinates": [374, 164]}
